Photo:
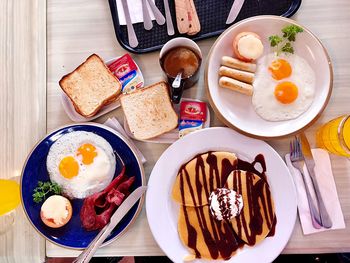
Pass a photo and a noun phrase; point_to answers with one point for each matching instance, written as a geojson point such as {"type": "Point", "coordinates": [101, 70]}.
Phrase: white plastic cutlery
{"type": "Point", "coordinates": [118, 215]}
{"type": "Point", "coordinates": [133, 42]}
{"type": "Point", "coordinates": [147, 21]}
{"type": "Point", "coordinates": [160, 19]}
{"type": "Point", "coordinates": [235, 9]}
{"type": "Point", "coordinates": [169, 21]}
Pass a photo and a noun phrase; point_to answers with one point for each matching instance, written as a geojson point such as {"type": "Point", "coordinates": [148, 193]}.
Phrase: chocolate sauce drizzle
{"type": "Point", "coordinates": [224, 241]}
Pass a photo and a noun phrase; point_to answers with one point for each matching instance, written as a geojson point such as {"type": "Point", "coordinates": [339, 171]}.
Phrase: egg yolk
{"type": "Point", "coordinates": [68, 167]}
{"type": "Point", "coordinates": [88, 152]}
{"type": "Point", "coordinates": [286, 92]}
{"type": "Point", "coordinates": [280, 69]}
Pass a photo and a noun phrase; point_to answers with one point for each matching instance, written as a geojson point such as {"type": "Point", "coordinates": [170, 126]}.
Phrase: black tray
{"type": "Point", "coordinates": [212, 15]}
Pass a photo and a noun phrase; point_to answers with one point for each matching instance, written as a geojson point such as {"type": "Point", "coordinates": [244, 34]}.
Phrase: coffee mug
{"type": "Point", "coordinates": [180, 59]}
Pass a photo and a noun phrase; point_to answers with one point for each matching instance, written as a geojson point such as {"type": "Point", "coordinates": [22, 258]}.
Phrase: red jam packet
{"type": "Point", "coordinates": [122, 66]}
{"type": "Point", "coordinates": [193, 110]}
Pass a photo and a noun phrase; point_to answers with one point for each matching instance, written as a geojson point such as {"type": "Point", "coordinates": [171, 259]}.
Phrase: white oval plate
{"type": "Point", "coordinates": [76, 117]}
{"type": "Point", "coordinates": [162, 211]}
{"type": "Point", "coordinates": [171, 136]}
{"type": "Point", "coordinates": [236, 109]}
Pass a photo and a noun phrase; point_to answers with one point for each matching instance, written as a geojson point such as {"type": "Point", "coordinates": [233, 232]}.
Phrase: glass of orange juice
{"type": "Point", "coordinates": [334, 136]}
{"type": "Point", "coordinates": [9, 200]}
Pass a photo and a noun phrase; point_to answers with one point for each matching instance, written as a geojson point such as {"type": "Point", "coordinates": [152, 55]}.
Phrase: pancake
{"type": "Point", "coordinates": [256, 219]}
{"type": "Point", "coordinates": [197, 178]}
{"type": "Point", "coordinates": [204, 236]}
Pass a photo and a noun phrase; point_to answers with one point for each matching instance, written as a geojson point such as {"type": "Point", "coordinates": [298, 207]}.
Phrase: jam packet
{"type": "Point", "coordinates": [193, 115]}
{"type": "Point", "coordinates": [125, 69]}
{"type": "Point", "coordinates": [193, 110]}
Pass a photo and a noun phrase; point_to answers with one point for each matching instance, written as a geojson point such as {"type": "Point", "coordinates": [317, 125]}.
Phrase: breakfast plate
{"type": "Point", "coordinates": [76, 117]}
{"type": "Point", "coordinates": [170, 136]}
{"type": "Point", "coordinates": [237, 111]}
{"type": "Point", "coordinates": [163, 212]}
{"type": "Point", "coordinates": [73, 235]}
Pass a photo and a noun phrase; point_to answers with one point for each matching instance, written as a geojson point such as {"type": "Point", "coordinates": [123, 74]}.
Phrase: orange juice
{"type": "Point", "coordinates": [9, 196]}
{"type": "Point", "coordinates": [334, 136]}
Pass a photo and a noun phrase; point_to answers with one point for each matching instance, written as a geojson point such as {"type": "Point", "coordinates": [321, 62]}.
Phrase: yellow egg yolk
{"type": "Point", "coordinates": [280, 69]}
{"type": "Point", "coordinates": [286, 92]}
{"type": "Point", "coordinates": [69, 167]}
{"type": "Point", "coordinates": [88, 153]}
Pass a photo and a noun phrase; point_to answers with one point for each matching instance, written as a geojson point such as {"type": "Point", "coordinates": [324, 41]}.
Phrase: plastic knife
{"type": "Point", "coordinates": [235, 9]}
{"type": "Point", "coordinates": [310, 164]}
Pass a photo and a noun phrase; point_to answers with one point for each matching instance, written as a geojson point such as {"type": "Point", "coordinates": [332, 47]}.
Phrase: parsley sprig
{"type": "Point", "coordinates": [284, 43]}
{"type": "Point", "coordinates": [43, 189]}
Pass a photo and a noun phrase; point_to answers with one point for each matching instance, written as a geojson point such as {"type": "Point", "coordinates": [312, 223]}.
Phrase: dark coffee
{"type": "Point", "coordinates": [181, 59]}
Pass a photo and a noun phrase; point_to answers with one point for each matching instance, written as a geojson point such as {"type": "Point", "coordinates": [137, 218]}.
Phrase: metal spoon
{"type": "Point", "coordinates": [147, 21]}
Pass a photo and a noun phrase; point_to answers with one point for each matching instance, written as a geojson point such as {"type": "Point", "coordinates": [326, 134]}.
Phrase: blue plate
{"type": "Point", "coordinates": [72, 235]}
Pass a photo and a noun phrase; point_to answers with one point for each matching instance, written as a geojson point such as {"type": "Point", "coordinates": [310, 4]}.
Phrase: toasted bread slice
{"type": "Point", "coordinates": [149, 111]}
{"type": "Point", "coordinates": [91, 86]}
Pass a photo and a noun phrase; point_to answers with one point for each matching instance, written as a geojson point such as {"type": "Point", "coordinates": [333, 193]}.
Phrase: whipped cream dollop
{"type": "Point", "coordinates": [225, 204]}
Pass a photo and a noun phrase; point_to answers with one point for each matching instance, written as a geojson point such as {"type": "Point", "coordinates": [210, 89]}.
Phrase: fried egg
{"type": "Point", "coordinates": [284, 87]}
{"type": "Point", "coordinates": [82, 163]}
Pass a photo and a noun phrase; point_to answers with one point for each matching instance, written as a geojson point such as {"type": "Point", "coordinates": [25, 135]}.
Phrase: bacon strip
{"type": "Point", "coordinates": [98, 208]}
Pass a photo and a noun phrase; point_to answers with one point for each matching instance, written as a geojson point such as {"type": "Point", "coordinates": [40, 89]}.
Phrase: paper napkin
{"type": "Point", "coordinates": [115, 125]}
{"type": "Point", "coordinates": [325, 179]}
{"type": "Point", "coordinates": [135, 9]}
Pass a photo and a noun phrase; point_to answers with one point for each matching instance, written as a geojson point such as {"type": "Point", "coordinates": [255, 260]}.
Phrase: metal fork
{"type": "Point", "coordinates": [297, 160]}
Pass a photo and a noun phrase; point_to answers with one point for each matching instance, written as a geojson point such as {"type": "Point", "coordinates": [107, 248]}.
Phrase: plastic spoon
{"type": "Point", "coordinates": [131, 33]}
{"type": "Point", "coordinates": [157, 14]}
{"type": "Point", "coordinates": [177, 80]}
{"type": "Point", "coordinates": [177, 88]}
{"type": "Point", "coordinates": [147, 21]}
{"type": "Point", "coordinates": [169, 21]}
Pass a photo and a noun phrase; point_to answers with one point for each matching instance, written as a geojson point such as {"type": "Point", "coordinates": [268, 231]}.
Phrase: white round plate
{"type": "Point", "coordinates": [236, 109]}
{"type": "Point", "coordinates": [76, 117]}
{"type": "Point", "coordinates": [162, 211]}
{"type": "Point", "coordinates": [172, 135]}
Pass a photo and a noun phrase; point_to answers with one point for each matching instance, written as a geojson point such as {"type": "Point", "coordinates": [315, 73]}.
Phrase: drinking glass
{"type": "Point", "coordinates": [334, 136]}
{"type": "Point", "coordinates": [9, 200]}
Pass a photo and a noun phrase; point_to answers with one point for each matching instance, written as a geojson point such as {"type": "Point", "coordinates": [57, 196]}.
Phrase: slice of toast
{"type": "Point", "coordinates": [149, 111]}
{"type": "Point", "coordinates": [91, 86]}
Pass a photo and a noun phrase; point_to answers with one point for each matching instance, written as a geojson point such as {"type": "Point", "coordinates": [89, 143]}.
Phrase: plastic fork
{"type": "Point", "coordinates": [297, 159]}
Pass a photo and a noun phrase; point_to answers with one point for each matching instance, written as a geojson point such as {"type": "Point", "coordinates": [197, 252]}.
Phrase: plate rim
{"type": "Point", "coordinates": [252, 135]}
{"type": "Point", "coordinates": [142, 171]}
{"type": "Point", "coordinates": [249, 138]}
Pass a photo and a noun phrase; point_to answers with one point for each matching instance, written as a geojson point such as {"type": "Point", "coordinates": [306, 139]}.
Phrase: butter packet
{"type": "Point", "coordinates": [188, 126]}
{"type": "Point", "coordinates": [131, 82]}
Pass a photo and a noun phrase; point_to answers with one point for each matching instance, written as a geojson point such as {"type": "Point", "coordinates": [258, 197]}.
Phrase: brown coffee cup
{"type": "Point", "coordinates": [180, 56]}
